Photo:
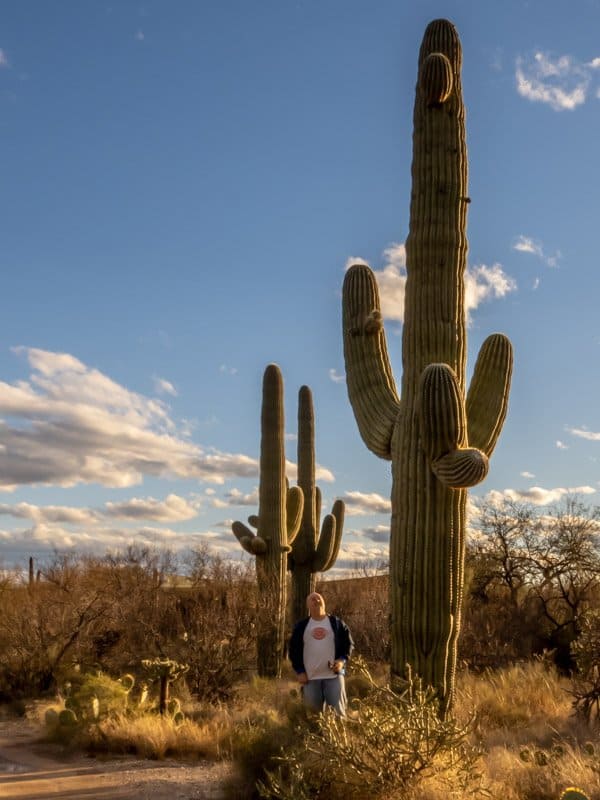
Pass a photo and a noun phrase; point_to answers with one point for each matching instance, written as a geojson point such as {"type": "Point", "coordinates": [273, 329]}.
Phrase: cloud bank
{"type": "Point", "coordinates": [69, 424]}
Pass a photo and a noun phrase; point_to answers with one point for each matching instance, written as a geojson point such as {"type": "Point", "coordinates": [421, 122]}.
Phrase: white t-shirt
{"type": "Point", "coordinates": [319, 649]}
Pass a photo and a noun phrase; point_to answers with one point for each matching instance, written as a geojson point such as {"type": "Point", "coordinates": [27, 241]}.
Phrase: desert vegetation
{"type": "Point", "coordinates": [477, 647]}
{"type": "Point", "coordinates": [148, 654]}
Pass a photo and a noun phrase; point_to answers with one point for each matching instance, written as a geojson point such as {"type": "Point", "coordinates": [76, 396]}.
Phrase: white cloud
{"type": "Point", "coordinates": [354, 260]}
{"type": "Point", "coordinates": [362, 553]}
{"type": "Point", "coordinates": [49, 514]}
{"type": "Point", "coordinates": [561, 445]}
{"type": "Point", "coordinates": [562, 84]}
{"type": "Point", "coordinates": [42, 541]}
{"type": "Point", "coordinates": [527, 474]}
{"type": "Point", "coordinates": [595, 63]}
{"type": "Point", "coordinates": [71, 424]}
{"type": "Point", "coordinates": [377, 533]}
{"type": "Point", "coordinates": [526, 244]}
{"type": "Point", "coordinates": [359, 503]}
{"type": "Point", "coordinates": [3, 59]}
{"type": "Point", "coordinates": [391, 281]}
{"type": "Point", "coordinates": [482, 283]}
{"type": "Point", "coordinates": [139, 36]}
{"type": "Point", "coordinates": [583, 433]}
{"type": "Point", "coordinates": [226, 370]}
{"type": "Point", "coordinates": [537, 495]}
{"type": "Point", "coordinates": [336, 377]}
{"type": "Point", "coordinates": [172, 509]}
{"type": "Point", "coordinates": [236, 498]}
{"type": "Point", "coordinates": [486, 283]}
{"type": "Point", "coordinates": [321, 473]}
{"type": "Point", "coordinates": [162, 386]}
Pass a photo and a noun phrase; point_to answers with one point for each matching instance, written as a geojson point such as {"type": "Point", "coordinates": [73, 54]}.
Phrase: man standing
{"type": "Point", "coordinates": [319, 648]}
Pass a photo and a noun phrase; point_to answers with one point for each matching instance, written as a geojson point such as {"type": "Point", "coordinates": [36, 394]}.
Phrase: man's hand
{"type": "Point", "coordinates": [337, 666]}
{"type": "Point", "coordinates": [302, 678]}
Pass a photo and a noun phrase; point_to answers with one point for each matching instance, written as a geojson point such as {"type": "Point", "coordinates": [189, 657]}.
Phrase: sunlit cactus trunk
{"type": "Point", "coordinates": [438, 440]}
{"type": "Point", "coordinates": [311, 552]}
{"type": "Point", "coordinates": [277, 523]}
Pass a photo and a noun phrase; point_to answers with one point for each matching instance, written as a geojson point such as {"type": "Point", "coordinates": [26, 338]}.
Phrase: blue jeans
{"type": "Point", "coordinates": [326, 692]}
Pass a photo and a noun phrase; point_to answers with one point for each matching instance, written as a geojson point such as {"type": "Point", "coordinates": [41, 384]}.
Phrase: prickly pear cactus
{"type": "Point", "coordinates": [438, 440]}
{"type": "Point", "coordinates": [277, 524]}
{"type": "Point", "coordinates": [573, 793]}
{"type": "Point", "coordinates": [311, 552]}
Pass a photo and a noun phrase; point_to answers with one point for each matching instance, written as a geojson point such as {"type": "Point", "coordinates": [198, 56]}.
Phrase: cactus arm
{"type": "Point", "coordinates": [369, 377]}
{"type": "Point", "coordinates": [324, 550]}
{"type": "Point", "coordinates": [253, 544]}
{"type": "Point", "coordinates": [318, 500]}
{"type": "Point", "coordinates": [295, 507]}
{"type": "Point", "coordinates": [487, 400]}
{"type": "Point", "coordinates": [330, 539]}
{"type": "Point", "coordinates": [444, 430]}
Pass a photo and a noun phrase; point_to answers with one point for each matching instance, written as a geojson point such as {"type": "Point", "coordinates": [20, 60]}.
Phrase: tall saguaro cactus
{"type": "Point", "coordinates": [438, 441]}
{"type": "Point", "coordinates": [311, 552]}
{"type": "Point", "coordinates": [277, 524]}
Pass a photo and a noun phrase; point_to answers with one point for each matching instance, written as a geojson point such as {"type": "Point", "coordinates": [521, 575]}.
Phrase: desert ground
{"type": "Point", "coordinates": [32, 771]}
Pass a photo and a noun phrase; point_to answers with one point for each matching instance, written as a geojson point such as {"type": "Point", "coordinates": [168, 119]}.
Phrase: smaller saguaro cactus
{"type": "Point", "coordinates": [311, 552]}
{"type": "Point", "coordinates": [165, 671]}
{"type": "Point", "coordinates": [277, 524]}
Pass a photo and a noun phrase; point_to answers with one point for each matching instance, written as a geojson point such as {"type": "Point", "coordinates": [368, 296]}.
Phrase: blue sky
{"type": "Point", "coordinates": [184, 184]}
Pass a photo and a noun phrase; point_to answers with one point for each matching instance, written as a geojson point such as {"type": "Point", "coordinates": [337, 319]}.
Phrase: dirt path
{"type": "Point", "coordinates": [30, 772]}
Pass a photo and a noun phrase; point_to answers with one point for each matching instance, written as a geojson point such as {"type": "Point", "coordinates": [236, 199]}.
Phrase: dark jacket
{"type": "Point", "coordinates": [341, 637]}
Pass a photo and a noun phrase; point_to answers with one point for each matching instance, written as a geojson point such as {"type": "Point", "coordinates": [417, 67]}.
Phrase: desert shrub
{"type": "Point", "coordinates": [95, 696]}
{"type": "Point", "coordinates": [390, 743]}
{"type": "Point", "coordinates": [515, 699]}
{"type": "Point", "coordinates": [87, 699]}
{"type": "Point", "coordinates": [362, 602]}
{"type": "Point", "coordinates": [150, 736]}
{"type": "Point", "coordinates": [586, 682]}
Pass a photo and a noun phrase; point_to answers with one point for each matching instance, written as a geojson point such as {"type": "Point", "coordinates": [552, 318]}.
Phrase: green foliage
{"type": "Point", "coordinates": [95, 696]}
{"type": "Point", "coordinates": [586, 682]}
{"type": "Point", "coordinates": [392, 741]}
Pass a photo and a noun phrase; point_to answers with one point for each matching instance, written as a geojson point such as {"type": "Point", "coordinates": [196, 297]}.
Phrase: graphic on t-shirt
{"type": "Point", "coordinates": [319, 633]}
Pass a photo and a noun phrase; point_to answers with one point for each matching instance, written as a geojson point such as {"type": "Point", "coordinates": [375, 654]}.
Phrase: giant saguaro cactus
{"type": "Point", "coordinates": [438, 441]}
{"type": "Point", "coordinates": [311, 552]}
{"type": "Point", "coordinates": [277, 523]}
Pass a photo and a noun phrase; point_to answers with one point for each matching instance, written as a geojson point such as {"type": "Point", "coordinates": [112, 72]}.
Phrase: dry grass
{"type": "Point", "coordinates": [532, 745]}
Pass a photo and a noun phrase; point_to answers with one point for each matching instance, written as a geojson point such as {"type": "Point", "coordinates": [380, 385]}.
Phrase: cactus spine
{"type": "Point", "coordinates": [277, 524]}
{"type": "Point", "coordinates": [438, 442]}
{"type": "Point", "coordinates": [311, 553]}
